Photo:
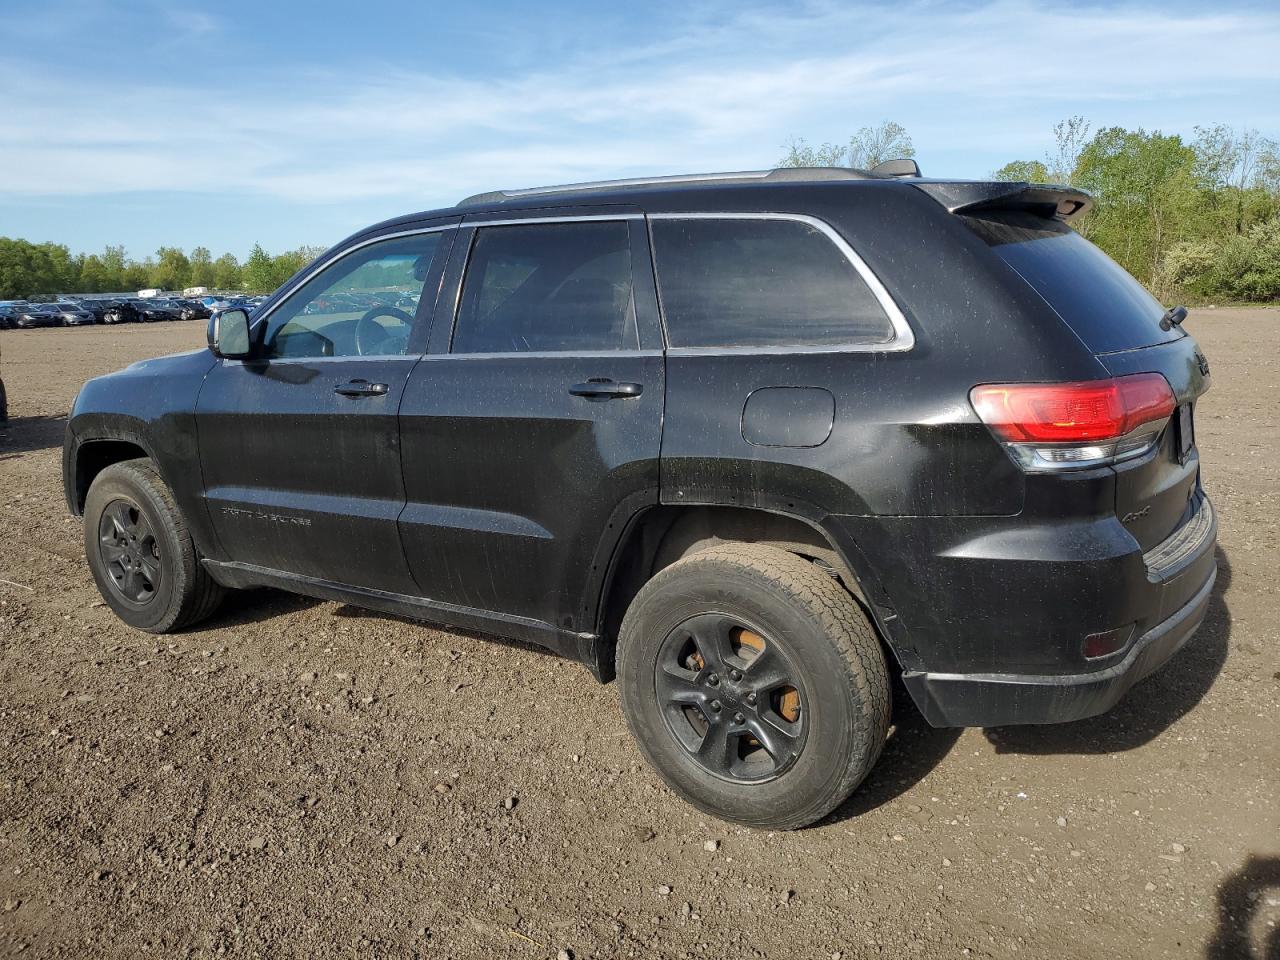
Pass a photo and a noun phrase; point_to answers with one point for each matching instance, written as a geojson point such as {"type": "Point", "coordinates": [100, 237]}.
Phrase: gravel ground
{"type": "Point", "coordinates": [296, 778]}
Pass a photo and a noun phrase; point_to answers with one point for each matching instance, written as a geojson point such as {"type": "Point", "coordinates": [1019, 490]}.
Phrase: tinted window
{"type": "Point", "coordinates": [1104, 305]}
{"type": "Point", "coordinates": [363, 305]}
{"type": "Point", "coordinates": [727, 283]}
{"type": "Point", "coordinates": [548, 287]}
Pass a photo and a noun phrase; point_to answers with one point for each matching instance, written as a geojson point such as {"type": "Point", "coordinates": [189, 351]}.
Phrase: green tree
{"type": "Point", "coordinates": [871, 146]}
{"type": "Point", "coordinates": [93, 275]}
{"type": "Point", "coordinates": [1145, 187]}
{"type": "Point", "coordinates": [801, 154]}
{"type": "Point", "coordinates": [172, 269]}
{"type": "Point", "coordinates": [201, 273]}
{"type": "Point", "coordinates": [114, 262]}
{"type": "Point", "coordinates": [15, 269]}
{"type": "Point", "coordinates": [1233, 170]}
{"type": "Point", "coordinates": [258, 273]}
{"type": "Point", "coordinates": [137, 276]}
{"type": "Point", "coordinates": [1029, 171]}
{"type": "Point", "coordinates": [226, 273]}
{"type": "Point", "coordinates": [1070, 138]}
{"type": "Point", "coordinates": [866, 148]}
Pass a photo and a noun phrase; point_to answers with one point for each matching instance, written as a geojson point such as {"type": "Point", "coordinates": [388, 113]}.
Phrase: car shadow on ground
{"type": "Point", "coordinates": [240, 608]}
{"type": "Point", "coordinates": [910, 754]}
{"type": "Point", "coordinates": [1239, 899]}
{"type": "Point", "coordinates": [1152, 706]}
{"type": "Point", "coordinates": [915, 748]}
{"type": "Point", "coordinates": [24, 434]}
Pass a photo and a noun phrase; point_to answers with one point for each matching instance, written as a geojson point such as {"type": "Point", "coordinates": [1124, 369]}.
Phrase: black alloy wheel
{"type": "Point", "coordinates": [130, 552]}
{"type": "Point", "coordinates": [731, 698]}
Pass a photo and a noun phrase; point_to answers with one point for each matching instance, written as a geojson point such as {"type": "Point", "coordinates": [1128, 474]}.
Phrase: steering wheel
{"type": "Point", "coordinates": [373, 339]}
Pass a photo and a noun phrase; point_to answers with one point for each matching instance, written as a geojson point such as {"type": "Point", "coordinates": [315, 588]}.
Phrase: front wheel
{"type": "Point", "coordinates": [754, 684]}
{"type": "Point", "coordinates": [141, 553]}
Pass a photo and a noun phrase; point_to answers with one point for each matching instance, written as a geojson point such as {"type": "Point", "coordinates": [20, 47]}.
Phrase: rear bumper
{"type": "Point", "coordinates": [998, 699]}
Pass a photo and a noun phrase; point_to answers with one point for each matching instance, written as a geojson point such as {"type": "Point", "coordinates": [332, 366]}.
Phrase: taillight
{"type": "Point", "coordinates": [1060, 426]}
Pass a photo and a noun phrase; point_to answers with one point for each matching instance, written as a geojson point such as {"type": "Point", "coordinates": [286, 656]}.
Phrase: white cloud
{"type": "Point", "coordinates": [715, 95]}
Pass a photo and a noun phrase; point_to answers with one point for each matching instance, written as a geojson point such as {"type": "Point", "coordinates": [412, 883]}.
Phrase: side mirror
{"type": "Point", "coordinates": [229, 334]}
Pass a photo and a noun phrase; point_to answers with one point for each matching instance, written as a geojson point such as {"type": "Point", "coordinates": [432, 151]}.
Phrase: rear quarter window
{"type": "Point", "coordinates": [1106, 307]}
{"type": "Point", "coordinates": [761, 283]}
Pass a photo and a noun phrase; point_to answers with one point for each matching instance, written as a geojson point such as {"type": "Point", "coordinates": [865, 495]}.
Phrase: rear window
{"type": "Point", "coordinates": [1108, 309]}
{"type": "Point", "coordinates": [761, 283]}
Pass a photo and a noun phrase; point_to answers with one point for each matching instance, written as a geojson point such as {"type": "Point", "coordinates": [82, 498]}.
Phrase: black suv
{"type": "Point", "coordinates": [753, 441]}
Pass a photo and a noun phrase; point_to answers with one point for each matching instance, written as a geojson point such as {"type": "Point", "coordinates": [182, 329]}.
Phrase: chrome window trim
{"type": "Point", "coordinates": [341, 255]}
{"type": "Point", "coordinates": [544, 355]}
{"type": "Point", "coordinates": [471, 220]}
{"type": "Point", "coordinates": [903, 336]}
{"type": "Point", "coordinates": [228, 361]}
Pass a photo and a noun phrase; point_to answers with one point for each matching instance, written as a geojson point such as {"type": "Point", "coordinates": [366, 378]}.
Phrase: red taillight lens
{"type": "Point", "coordinates": [1087, 411]}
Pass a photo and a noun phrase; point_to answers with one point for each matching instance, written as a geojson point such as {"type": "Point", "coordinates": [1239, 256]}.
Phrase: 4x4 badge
{"type": "Point", "coordinates": [1203, 363]}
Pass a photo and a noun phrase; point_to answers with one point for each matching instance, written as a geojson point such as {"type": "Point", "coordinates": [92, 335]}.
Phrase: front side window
{"type": "Point", "coordinates": [548, 287]}
{"type": "Point", "coordinates": [761, 283]}
{"type": "Point", "coordinates": [363, 305]}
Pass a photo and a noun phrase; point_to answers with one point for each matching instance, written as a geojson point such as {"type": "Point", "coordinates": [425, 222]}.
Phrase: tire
{"type": "Point", "coordinates": [129, 499]}
{"type": "Point", "coordinates": [773, 616]}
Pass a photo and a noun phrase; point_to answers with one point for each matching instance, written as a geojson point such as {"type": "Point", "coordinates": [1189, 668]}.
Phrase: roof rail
{"type": "Point", "coordinates": [783, 174]}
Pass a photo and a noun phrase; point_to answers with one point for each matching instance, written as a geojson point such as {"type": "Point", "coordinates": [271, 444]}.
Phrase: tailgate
{"type": "Point", "coordinates": [1156, 494]}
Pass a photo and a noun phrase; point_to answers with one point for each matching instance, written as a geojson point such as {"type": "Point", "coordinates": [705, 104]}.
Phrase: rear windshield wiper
{"type": "Point", "coordinates": [1173, 317]}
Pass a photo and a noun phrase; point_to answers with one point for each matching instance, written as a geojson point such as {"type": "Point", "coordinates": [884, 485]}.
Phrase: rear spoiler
{"type": "Point", "coordinates": [968, 197]}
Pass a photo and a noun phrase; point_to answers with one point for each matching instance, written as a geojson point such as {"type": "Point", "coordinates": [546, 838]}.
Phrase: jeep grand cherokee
{"type": "Point", "coordinates": [750, 441]}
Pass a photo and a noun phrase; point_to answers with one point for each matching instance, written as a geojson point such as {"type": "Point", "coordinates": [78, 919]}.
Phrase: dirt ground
{"type": "Point", "coordinates": [304, 779]}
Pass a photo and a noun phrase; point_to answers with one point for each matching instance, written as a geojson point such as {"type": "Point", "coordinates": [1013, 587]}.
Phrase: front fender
{"type": "Point", "coordinates": [149, 405]}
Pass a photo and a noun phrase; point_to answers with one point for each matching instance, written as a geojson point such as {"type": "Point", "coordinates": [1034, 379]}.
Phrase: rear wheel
{"type": "Point", "coordinates": [141, 553]}
{"type": "Point", "coordinates": [754, 684]}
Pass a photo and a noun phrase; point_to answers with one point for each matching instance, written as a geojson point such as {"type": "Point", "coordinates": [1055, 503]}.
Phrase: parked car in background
{"type": "Point", "coordinates": [121, 311]}
{"type": "Point", "coordinates": [8, 308]}
{"type": "Point", "coordinates": [193, 310]}
{"type": "Point", "coordinates": [153, 311]}
{"type": "Point", "coordinates": [37, 315]}
{"type": "Point", "coordinates": [74, 314]}
{"type": "Point", "coordinates": [99, 308]}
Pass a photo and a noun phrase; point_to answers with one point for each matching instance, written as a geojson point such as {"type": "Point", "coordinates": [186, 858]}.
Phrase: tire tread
{"type": "Point", "coordinates": [843, 622]}
{"type": "Point", "coordinates": [196, 592]}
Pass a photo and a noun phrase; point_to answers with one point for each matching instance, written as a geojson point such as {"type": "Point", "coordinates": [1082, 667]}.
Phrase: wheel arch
{"type": "Point", "coordinates": [658, 536]}
{"type": "Point", "coordinates": [89, 456]}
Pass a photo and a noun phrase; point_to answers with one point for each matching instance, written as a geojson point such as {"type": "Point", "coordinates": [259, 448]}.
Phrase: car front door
{"type": "Point", "coordinates": [531, 430]}
{"type": "Point", "coordinates": [299, 444]}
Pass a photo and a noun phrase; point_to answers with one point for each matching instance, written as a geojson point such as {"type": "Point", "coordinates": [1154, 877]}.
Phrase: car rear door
{"type": "Point", "coordinates": [531, 430]}
{"type": "Point", "coordinates": [299, 446]}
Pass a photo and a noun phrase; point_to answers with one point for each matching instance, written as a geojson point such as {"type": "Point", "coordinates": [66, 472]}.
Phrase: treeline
{"type": "Point", "coordinates": [31, 269]}
{"type": "Point", "coordinates": [1195, 219]}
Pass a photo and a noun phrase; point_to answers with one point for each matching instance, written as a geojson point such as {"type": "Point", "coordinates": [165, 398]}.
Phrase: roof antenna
{"type": "Point", "coordinates": [903, 167]}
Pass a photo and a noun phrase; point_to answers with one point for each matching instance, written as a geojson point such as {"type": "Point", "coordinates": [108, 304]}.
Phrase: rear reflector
{"type": "Point", "coordinates": [1104, 644]}
{"type": "Point", "coordinates": [1067, 425]}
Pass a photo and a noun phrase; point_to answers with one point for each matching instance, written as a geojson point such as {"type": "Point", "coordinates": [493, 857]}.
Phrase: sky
{"type": "Point", "coordinates": [184, 123]}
